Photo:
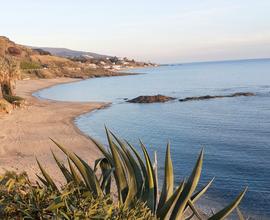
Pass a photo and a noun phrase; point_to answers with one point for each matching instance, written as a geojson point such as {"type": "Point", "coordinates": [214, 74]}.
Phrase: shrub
{"type": "Point", "coordinates": [25, 200]}
{"type": "Point", "coordinates": [16, 100]}
{"type": "Point", "coordinates": [28, 65]}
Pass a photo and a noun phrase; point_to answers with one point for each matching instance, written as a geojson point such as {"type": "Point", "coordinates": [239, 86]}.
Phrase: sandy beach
{"type": "Point", "coordinates": [25, 133]}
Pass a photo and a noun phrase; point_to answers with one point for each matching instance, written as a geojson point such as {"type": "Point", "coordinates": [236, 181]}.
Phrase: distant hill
{"type": "Point", "coordinates": [63, 52]}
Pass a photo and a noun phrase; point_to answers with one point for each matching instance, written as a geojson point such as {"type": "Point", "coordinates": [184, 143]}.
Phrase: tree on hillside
{"type": "Point", "coordinates": [9, 70]}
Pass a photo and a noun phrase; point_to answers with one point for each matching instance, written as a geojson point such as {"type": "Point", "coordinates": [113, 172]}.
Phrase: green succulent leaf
{"type": "Point", "coordinates": [49, 180]}
{"type": "Point", "coordinates": [64, 170]}
{"type": "Point", "coordinates": [75, 175]}
{"type": "Point", "coordinates": [222, 214]}
{"type": "Point", "coordinates": [144, 187]}
{"type": "Point", "coordinates": [197, 195]}
{"type": "Point", "coordinates": [151, 193]}
{"type": "Point", "coordinates": [42, 180]}
{"type": "Point", "coordinates": [129, 158]}
{"type": "Point", "coordinates": [168, 184]}
{"type": "Point", "coordinates": [164, 212]}
{"type": "Point", "coordinates": [107, 171]}
{"type": "Point", "coordinates": [189, 188]}
{"type": "Point", "coordinates": [85, 170]}
{"type": "Point", "coordinates": [102, 149]}
{"type": "Point", "coordinates": [120, 176]}
{"type": "Point", "coordinates": [130, 174]}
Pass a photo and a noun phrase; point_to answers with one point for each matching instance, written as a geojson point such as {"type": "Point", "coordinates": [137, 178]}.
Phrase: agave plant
{"type": "Point", "coordinates": [136, 179]}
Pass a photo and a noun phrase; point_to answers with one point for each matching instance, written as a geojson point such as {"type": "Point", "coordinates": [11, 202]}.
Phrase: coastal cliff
{"type": "Point", "coordinates": [18, 62]}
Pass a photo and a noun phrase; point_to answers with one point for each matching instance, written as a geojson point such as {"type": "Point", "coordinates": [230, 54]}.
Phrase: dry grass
{"type": "Point", "coordinates": [5, 106]}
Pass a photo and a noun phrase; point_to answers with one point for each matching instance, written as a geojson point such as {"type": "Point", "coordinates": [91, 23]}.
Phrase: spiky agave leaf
{"type": "Point", "coordinates": [106, 182]}
{"type": "Point", "coordinates": [137, 172]}
{"type": "Point", "coordinates": [189, 188]}
{"type": "Point", "coordinates": [107, 171]}
{"type": "Point", "coordinates": [47, 177]}
{"type": "Point", "coordinates": [75, 175]}
{"type": "Point", "coordinates": [42, 180]}
{"type": "Point", "coordinates": [102, 149]}
{"type": "Point", "coordinates": [134, 165]}
{"type": "Point", "coordinates": [168, 183]}
{"type": "Point", "coordinates": [164, 212]}
{"type": "Point", "coordinates": [64, 170]}
{"type": "Point", "coordinates": [85, 170]}
{"type": "Point", "coordinates": [222, 214]}
{"type": "Point", "coordinates": [143, 170]}
{"type": "Point", "coordinates": [155, 167]}
{"type": "Point", "coordinates": [119, 172]}
{"type": "Point", "coordinates": [98, 162]}
{"type": "Point", "coordinates": [198, 194]}
{"type": "Point", "coordinates": [131, 178]}
{"type": "Point", "coordinates": [151, 190]}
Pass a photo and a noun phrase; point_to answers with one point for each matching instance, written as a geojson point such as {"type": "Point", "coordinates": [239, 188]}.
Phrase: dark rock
{"type": "Point", "coordinates": [206, 97]}
{"type": "Point", "coordinates": [14, 51]}
{"type": "Point", "coordinates": [242, 94]}
{"type": "Point", "coordinates": [151, 99]}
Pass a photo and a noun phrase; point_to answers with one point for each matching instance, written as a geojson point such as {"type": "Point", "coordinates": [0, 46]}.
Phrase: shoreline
{"type": "Point", "coordinates": [88, 151]}
{"type": "Point", "coordinates": [25, 132]}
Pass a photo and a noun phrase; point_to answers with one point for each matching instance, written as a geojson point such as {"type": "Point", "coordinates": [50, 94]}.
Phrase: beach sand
{"type": "Point", "coordinates": [25, 133]}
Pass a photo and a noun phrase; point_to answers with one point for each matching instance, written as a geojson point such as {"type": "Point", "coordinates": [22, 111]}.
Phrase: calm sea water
{"type": "Point", "coordinates": [235, 132]}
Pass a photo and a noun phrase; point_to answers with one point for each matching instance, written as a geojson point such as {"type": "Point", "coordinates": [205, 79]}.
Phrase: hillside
{"type": "Point", "coordinates": [57, 62]}
{"type": "Point", "coordinates": [64, 52]}
{"type": "Point", "coordinates": [41, 64]}
{"type": "Point", "coordinates": [22, 62]}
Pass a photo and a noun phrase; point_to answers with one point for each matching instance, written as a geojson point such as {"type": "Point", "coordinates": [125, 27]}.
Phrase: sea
{"type": "Point", "coordinates": [234, 132]}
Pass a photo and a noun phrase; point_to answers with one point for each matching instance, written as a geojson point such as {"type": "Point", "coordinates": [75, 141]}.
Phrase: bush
{"type": "Point", "coordinates": [12, 99]}
{"type": "Point", "coordinates": [25, 200]}
{"type": "Point", "coordinates": [28, 65]}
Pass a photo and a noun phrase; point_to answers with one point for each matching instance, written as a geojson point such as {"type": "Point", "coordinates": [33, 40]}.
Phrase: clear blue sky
{"type": "Point", "coordinates": [156, 30]}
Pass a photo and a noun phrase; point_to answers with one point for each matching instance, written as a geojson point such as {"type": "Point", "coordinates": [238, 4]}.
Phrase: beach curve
{"type": "Point", "coordinates": [25, 133]}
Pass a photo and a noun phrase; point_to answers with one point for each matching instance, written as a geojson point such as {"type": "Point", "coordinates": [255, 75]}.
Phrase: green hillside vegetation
{"type": "Point", "coordinates": [27, 65]}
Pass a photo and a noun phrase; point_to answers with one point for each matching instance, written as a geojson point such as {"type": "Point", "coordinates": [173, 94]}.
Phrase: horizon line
{"type": "Point", "coordinates": [215, 61]}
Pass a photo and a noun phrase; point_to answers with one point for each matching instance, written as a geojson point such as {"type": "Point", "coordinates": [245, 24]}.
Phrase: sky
{"type": "Point", "coordinates": [170, 31]}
